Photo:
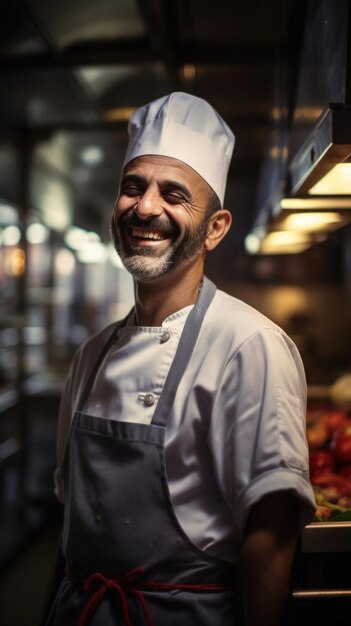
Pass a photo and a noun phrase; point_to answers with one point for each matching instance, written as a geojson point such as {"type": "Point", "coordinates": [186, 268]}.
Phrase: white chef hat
{"type": "Point", "coordinates": [186, 128]}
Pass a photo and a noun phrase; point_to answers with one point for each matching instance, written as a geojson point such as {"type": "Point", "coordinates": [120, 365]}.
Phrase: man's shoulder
{"type": "Point", "coordinates": [233, 326]}
{"type": "Point", "coordinates": [236, 316]}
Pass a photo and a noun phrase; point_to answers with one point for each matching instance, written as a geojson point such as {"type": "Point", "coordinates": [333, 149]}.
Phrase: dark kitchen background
{"type": "Point", "coordinates": [71, 74]}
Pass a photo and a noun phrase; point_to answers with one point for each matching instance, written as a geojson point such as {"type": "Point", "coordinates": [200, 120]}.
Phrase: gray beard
{"type": "Point", "coordinates": [144, 264]}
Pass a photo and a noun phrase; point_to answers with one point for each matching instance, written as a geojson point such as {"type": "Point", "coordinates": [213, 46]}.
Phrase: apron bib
{"type": "Point", "coordinates": [129, 563]}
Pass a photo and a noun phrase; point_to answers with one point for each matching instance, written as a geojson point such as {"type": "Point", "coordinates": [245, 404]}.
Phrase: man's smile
{"type": "Point", "coordinates": [147, 235]}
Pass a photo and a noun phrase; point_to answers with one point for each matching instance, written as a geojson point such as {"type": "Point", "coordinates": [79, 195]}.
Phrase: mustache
{"type": "Point", "coordinates": [161, 224]}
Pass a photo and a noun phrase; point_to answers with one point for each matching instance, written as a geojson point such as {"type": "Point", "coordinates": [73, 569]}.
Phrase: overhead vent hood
{"type": "Point", "coordinates": [320, 134]}
{"type": "Point", "coordinates": [322, 166]}
{"type": "Point", "coordinates": [306, 196]}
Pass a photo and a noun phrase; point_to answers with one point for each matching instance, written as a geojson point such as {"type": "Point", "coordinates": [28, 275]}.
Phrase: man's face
{"type": "Point", "coordinates": [160, 218]}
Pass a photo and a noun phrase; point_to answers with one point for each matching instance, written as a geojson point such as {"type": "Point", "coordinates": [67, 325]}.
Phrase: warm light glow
{"type": "Point", "coordinates": [310, 204]}
{"type": "Point", "coordinates": [284, 237]}
{"type": "Point", "coordinates": [120, 114]}
{"type": "Point", "coordinates": [275, 152]}
{"type": "Point", "coordinates": [278, 113]}
{"type": "Point", "coordinates": [278, 242]}
{"type": "Point", "coordinates": [64, 262]}
{"type": "Point", "coordinates": [14, 264]}
{"type": "Point", "coordinates": [307, 113]}
{"type": "Point", "coordinates": [312, 222]}
{"type": "Point", "coordinates": [189, 72]}
{"type": "Point", "coordinates": [284, 242]}
{"type": "Point", "coordinates": [336, 181]}
{"type": "Point", "coordinates": [286, 300]}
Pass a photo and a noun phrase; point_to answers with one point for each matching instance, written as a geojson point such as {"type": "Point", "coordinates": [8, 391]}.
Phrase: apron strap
{"type": "Point", "coordinates": [97, 586]}
{"type": "Point", "coordinates": [184, 351]}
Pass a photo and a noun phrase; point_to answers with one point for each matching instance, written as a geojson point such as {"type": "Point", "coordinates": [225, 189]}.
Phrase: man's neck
{"type": "Point", "coordinates": [157, 299]}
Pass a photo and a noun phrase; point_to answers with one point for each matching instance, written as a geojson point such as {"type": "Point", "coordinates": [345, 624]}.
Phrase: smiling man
{"type": "Point", "coordinates": [182, 457]}
{"type": "Point", "coordinates": [147, 230]}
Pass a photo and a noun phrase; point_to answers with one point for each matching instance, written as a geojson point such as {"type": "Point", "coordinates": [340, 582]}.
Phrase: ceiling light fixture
{"type": "Point", "coordinates": [312, 222]}
{"type": "Point", "coordinates": [314, 203]}
{"type": "Point", "coordinates": [278, 242]}
{"type": "Point", "coordinates": [336, 182]}
{"type": "Point", "coordinates": [328, 145]}
{"type": "Point", "coordinates": [285, 242]}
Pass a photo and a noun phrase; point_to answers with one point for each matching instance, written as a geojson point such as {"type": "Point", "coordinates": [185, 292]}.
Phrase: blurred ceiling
{"type": "Point", "coordinates": [71, 73]}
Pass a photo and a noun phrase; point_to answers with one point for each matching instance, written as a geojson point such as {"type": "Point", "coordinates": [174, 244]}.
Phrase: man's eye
{"type": "Point", "coordinates": [173, 198]}
{"type": "Point", "coordinates": [130, 190]}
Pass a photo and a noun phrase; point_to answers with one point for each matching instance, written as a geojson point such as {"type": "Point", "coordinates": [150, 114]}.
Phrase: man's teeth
{"type": "Point", "coordinates": [147, 234]}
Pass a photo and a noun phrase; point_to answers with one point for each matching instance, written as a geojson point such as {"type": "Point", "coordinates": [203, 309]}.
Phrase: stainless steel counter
{"type": "Point", "coordinates": [326, 537]}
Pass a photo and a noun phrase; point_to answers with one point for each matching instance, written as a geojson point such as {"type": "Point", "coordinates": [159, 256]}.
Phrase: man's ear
{"type": "Point", "coordinates": [218, 227]}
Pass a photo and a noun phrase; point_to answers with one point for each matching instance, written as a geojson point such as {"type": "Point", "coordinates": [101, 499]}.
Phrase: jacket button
{"type": "Point", "coordinates": [149, 399]}
{"type": "Point", "coordinates": [165, 336]}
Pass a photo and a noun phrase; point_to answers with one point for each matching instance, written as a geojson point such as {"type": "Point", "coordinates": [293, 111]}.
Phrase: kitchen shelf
{"type": "Point", "coordinates": [322, 537]}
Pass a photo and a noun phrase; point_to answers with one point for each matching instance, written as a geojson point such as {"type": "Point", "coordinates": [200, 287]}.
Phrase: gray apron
{"type": "Point", "coordinates": [129, 562]}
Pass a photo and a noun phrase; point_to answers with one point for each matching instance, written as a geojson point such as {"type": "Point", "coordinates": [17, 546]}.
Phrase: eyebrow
{"type": "Point", "coordinates": [175, 185]}
{"type": "Point", "coordinates": [164, 184]}
{"type": "Point", "coordinates": [133, 178]}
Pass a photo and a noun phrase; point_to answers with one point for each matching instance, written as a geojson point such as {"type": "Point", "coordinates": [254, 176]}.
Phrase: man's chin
{"type": "Point", "coordinates": [146, 268]}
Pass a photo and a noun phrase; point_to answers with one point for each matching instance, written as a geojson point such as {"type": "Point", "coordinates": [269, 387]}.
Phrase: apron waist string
{"type": "Point", "coordinates": [131, 581]}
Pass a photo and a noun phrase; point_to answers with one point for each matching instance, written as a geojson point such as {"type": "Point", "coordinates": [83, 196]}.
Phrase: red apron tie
{"type": "Point", "coordinates": [129, 582]}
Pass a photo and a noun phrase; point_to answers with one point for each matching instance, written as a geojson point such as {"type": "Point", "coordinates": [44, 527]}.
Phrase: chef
{"type": "Point", "coordinates": [182, 458]}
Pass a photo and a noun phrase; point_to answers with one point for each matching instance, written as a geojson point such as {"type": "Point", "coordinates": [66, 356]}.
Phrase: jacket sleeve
{"type": "Point", "coordinates": [257, 434]}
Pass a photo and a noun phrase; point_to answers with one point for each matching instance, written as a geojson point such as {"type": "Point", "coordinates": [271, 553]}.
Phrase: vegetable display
{"type": "Point", "coordinates": [329, 440]}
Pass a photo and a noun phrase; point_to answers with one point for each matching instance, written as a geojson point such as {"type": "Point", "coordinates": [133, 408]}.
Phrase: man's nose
{"type": "Point", "coordinates": [149, 205]}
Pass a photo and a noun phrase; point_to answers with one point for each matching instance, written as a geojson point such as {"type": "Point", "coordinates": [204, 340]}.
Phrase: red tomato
{"type": "Point", "coordinates": [330, 479]}
{"type": "Point", "coordinates": [342, 445]}
{"type": "Point", "coordinates": [346, 471]}
{"type": "Point", "coordinates": [337, 419]}
{"type": "Point", "coordinates": [321, 461]}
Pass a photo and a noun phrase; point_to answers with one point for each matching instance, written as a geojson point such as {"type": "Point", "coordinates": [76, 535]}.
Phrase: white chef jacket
{"type": "Point", "coordinates": [236, 431]}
